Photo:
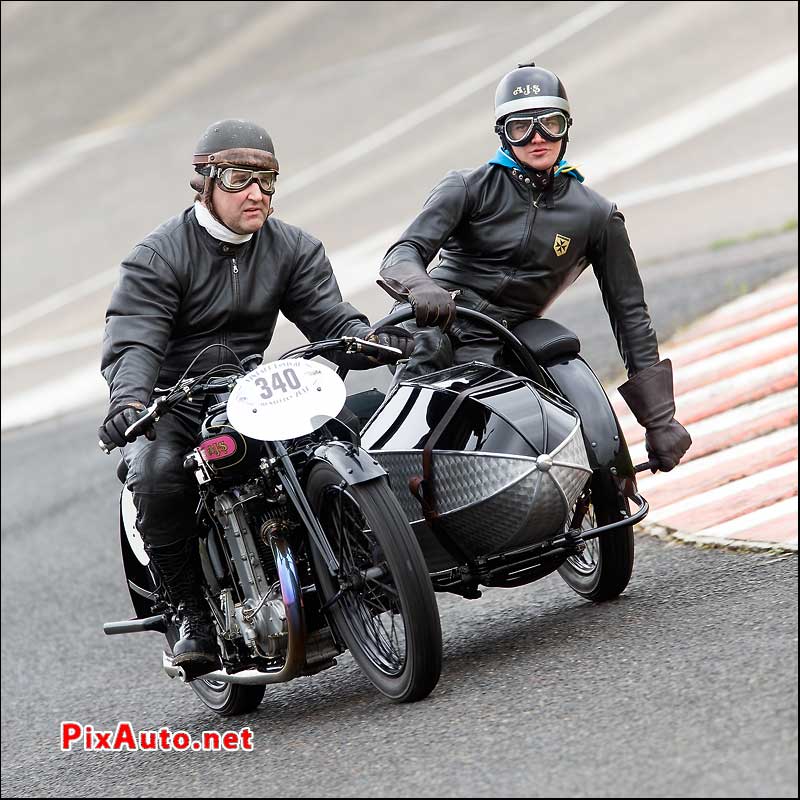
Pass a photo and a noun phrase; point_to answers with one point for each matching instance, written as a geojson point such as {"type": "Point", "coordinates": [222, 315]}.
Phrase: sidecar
{"type": "Point", "coordinates": [508, 475]}
{"type": "Point", "coordinates": [482, 461]}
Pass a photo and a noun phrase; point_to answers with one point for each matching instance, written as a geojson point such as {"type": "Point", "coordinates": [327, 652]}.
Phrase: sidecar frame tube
{"type": "Point", "coordinates": [529, 557]}
{"type": "Point", "coordinates": [632, 519]}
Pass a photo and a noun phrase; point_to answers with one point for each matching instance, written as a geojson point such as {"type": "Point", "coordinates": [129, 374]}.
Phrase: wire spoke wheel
{"type": "Point", "coordinates": [602, 571]}
{"type": "Point", "coordinates": [368, 594]}
{"type": "Point", "coordinates": [381, 599]}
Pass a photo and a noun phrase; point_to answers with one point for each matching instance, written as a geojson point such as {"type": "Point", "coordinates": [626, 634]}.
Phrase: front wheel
{"type": "Point", "coordinates": [382, 600]}
{"type": "Point", "coordinates": [602, 571]}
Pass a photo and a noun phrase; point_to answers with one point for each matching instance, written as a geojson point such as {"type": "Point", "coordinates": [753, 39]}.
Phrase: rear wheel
{"type": "Point", "coordinates": [226, 699]}
{"type": "Point", "coordinates": [381, 601]}
{"type": "Point", "coordinates": [602, 571]}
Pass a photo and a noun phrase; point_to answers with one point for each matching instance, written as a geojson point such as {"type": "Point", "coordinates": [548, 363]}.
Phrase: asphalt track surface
{"type": "Point", "coordinates": [685, 686]}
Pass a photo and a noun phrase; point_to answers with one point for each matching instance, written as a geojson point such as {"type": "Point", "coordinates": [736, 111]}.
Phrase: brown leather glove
{"type": "Point", "coordinates": [650, 396]}
{"type": "Point", "coordinates": [432, 304]}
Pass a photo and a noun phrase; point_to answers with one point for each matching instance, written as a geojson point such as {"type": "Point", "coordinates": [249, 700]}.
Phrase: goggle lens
{"type": "Point", "coordinates": [520, 130]}
{"type": "Point", "coordinates": [234, 179]}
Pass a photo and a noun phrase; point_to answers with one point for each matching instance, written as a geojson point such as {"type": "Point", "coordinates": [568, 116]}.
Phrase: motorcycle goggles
{"type": "Point", "coordinates": [236, 179]}
{"type": "Point", "coordinates": [519, 129]}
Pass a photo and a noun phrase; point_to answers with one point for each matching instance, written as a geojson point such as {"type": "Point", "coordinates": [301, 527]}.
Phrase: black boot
{"type": "Point", "coordinates": [178, 567]}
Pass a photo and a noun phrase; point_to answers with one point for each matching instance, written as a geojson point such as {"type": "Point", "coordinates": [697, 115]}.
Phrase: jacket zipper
{"type": "Point", "coordinates": [535, 204]}
{"type": "Point", "coordinates": [224, 355]}
{"type": "Point", "coordinates": [235, 277]}
{"type": "Point", "coordinates": [507, 278]}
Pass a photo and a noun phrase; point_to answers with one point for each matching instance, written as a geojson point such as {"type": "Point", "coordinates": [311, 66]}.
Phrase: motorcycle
{"type": "Point", "coordinates": [305, 550]}
{"type": "Point", "coordinates": [506, 475]}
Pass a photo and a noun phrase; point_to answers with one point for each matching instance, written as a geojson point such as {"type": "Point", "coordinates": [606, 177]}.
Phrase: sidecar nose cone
{"type": "Point", "coordinates": [544, 462]}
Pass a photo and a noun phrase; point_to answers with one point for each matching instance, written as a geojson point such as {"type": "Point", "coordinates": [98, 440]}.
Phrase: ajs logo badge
{"type": "Point", "coordinates": [561, 244]}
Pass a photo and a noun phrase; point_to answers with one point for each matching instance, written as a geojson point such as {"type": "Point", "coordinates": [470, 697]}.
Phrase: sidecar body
{"type": "Point", "coordinates": [483, 461]}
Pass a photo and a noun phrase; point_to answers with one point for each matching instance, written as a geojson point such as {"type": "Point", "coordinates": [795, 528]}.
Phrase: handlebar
{"type": "Point", "coordinates": [209, 384]}
{"type": "Point", "coordinates": [345, 344]}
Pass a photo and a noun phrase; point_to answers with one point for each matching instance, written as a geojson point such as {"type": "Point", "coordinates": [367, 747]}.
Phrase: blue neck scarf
{"type": "Point", "coordinates": [502, 158]}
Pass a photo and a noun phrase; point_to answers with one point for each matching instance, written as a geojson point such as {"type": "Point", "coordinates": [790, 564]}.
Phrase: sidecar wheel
{"type": "Point", "coordinates": [382, 602]}
{"type": "Point", "coordinates": [603, 570]}
{"type": "Point", "coordinates": [225, 699]}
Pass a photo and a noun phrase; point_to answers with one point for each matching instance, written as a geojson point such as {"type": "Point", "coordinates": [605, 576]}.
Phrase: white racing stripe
{"type": "Point", "coordinates": [737, 418]}
{"type": "Point", "coordinates": [59, 300]}
{"type": "Point", "coordinates": [728, 491]}
{"type": "Point", "coordinates": [757, 519]}
{"type": "Point", "coordinates": [79, 389]}
{"type": "Point", "coordinates": [350, 273]}
{"type": "Point", "coordinates": [56, 160]}
{"type": "Point", "coordinates": [227, 51]}
{"type": "Point", "coordinates": [631, 149]}
{"type": "Point", "coordinates": [449, 99]}
{"type": "Point", "coordinates": [714, 462]}
{"type": "Point", "coordinates": [708, 179]}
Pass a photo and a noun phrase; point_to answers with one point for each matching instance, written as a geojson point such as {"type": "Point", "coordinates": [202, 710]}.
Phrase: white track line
{"type": "Point", "coordinates": [633, 148]}
{"type": "Point", "coordinates": [757, 519]}
{"type": "Point", "coordinates": [715, 460]}
{"type": "Point", "coordinates": [713, 178]}
{"type": "Point", "coordinates": [726, 491]}
{"type": "Point", "coordinates": [452, 98]}
{"type": "Point", "coordinates": [737, 417]}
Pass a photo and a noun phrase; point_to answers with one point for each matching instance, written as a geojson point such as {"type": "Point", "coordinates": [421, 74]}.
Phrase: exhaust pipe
{"type": "Point", "coordinates": [296, 647]}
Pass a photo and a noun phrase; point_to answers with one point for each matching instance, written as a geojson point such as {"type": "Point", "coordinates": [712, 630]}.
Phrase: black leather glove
{"type": "Point", "coordinates": [650, 396]}
{"type": "Point", "coordinates": [118, 420]}
{"type": "Point", "coordinates": [392, 336]}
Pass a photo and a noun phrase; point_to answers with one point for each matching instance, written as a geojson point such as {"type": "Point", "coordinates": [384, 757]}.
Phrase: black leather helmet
{"type": "Point", "coordinates": [529, 87]}
{"type": "Point", "coordinates": [233, 142]}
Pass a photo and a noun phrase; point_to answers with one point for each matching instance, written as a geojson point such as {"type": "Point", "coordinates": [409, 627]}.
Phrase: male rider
{"type": "Point", "coordinates": [216, 274]}
{"type": "Point", "coordinates": [514, 234]}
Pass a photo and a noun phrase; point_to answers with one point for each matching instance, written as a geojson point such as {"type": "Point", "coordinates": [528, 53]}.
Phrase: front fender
{"type": "Point", "coordinates": [352, 463]}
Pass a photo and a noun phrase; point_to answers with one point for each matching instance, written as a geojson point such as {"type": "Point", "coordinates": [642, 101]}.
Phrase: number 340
{"type": "Point", "coordinates": [281, 382]}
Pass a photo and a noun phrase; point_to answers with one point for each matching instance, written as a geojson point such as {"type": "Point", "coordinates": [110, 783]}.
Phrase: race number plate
{"type": "Point", "coordinates": [285, 399]}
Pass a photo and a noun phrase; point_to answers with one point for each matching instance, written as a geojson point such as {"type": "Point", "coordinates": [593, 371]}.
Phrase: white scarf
{"type": "Point", "coordinates": [216, 228]}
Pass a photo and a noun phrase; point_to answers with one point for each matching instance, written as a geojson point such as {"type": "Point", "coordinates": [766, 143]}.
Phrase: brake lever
{"type": "Point", "coordinates": [358, 346]}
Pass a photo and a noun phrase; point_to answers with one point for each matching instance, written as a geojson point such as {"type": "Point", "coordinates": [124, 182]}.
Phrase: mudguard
{"type": "Point", "coordinates": [134, 563]}
{"type": "Point", "coordinates": [352, 463]}
{"type": "Point", "coordinates": [605, 442]}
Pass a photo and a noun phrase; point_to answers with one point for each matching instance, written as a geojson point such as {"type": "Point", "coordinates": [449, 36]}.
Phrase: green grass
{"type": "Point", "coordinates": [721, 244]}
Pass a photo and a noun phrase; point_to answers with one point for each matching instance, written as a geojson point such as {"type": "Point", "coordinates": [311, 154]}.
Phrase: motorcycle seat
{"type": "Point", "coordinates": [548, 340]}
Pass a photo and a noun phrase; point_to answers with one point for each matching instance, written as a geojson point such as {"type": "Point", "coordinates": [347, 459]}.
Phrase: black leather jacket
{"type": "Point", "coordinates": [518, 249]}
{"type": "Point", "coordinates": [181, 290]}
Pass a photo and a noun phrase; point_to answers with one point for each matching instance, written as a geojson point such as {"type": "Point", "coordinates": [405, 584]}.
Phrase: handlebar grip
{"type": "Point", "coordinates": [651, 465]}
{"type": "Point", "coordinates": [106, 448]}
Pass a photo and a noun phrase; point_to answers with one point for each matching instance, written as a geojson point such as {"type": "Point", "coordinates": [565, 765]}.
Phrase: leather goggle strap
{"type": "Point", "coordinates": [239, 156]}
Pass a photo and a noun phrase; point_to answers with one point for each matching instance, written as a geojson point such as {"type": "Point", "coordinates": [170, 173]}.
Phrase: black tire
{"type": "Point", "coordinates": [604, 569]}
{"type": "Point", "coordinates": [366, 529]}
{"type": "Point", "coordinates": [225, 699]}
